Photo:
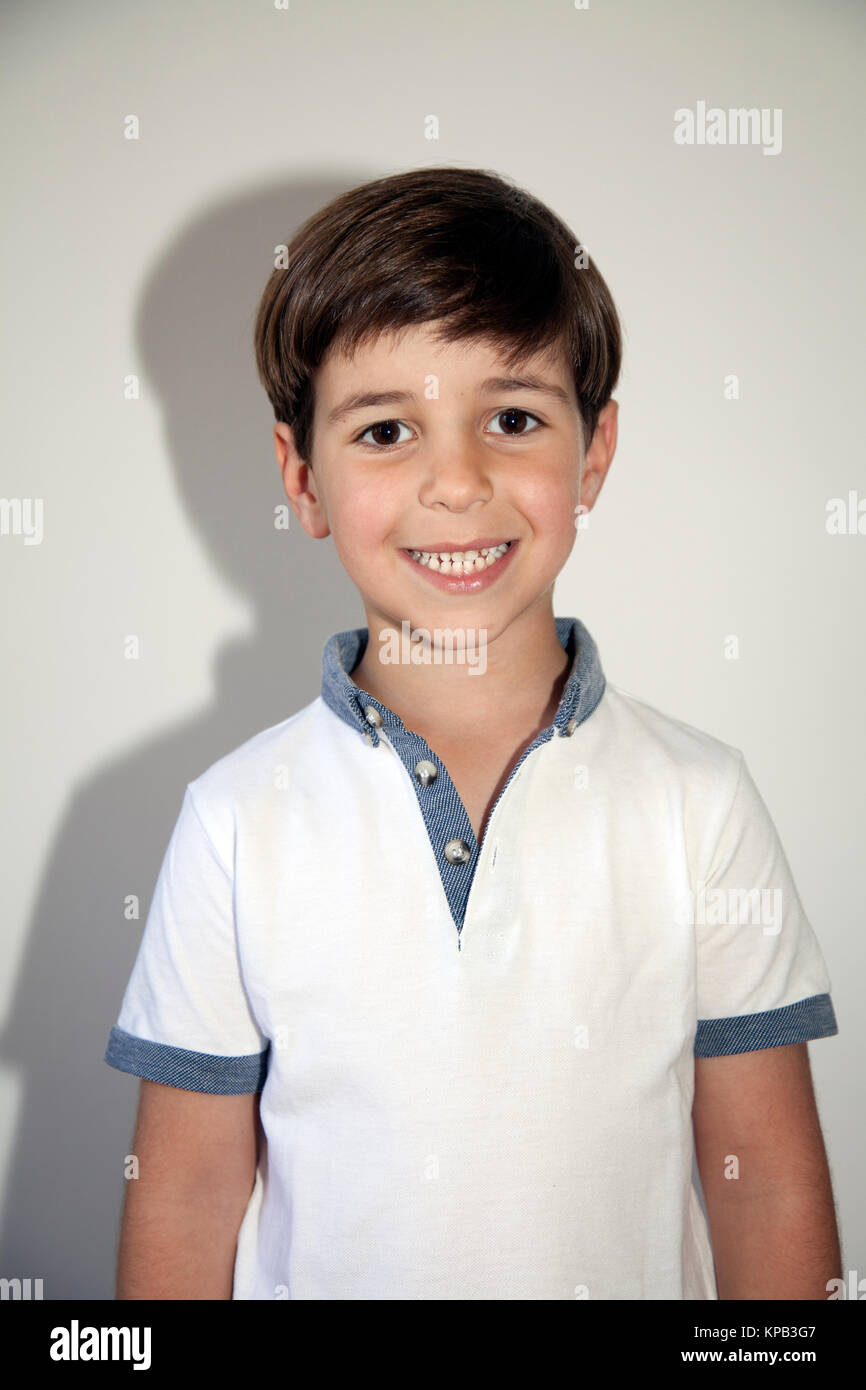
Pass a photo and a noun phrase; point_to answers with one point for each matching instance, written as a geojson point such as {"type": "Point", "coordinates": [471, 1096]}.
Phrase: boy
{"type": "Point", "coordinates": [448, 975]}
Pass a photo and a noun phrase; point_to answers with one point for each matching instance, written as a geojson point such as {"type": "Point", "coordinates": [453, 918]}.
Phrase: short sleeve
{"type": "Point", "coordinates": [761, 976]}
{"type": "Point", "coordinates": [185, 1019]}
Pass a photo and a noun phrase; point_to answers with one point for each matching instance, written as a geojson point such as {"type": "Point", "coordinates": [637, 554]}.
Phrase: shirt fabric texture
{"type": "Point", "coordinates": [476, 1077]}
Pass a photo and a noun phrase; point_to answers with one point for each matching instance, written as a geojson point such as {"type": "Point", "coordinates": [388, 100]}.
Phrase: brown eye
{"type": "Point", "coordinates": [514, 421]}
{"type": "Point", "coordinates": [385, 433]}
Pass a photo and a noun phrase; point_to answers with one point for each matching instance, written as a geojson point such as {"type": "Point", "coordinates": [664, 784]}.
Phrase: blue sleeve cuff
{"type": "Point", "coordinates": [191, 1071]}
{"type": "Point", "coordinates": [793, 1023]}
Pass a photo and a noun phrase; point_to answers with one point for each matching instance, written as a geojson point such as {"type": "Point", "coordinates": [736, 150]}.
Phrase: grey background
{"type": "Point", "coordinates": [149, 256]}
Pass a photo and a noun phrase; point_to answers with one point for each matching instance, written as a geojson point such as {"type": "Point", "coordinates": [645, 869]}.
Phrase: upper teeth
{"type": "Point", "coordinates": [460, 561]}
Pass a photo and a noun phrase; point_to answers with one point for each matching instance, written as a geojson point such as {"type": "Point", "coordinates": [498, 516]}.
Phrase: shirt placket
{"type": "Point", "coordinates": [452, 840]}
{"type": "Point", "coordinates": [449, 830]}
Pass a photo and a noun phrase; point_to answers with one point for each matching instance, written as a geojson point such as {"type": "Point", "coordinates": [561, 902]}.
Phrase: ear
{"type": "Point", "coordinates": [299, 483]}
{"type": "Point", "coordinates": [599, 455]}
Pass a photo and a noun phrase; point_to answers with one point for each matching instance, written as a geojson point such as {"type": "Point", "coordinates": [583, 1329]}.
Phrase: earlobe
{"type": "Point", "coordinates": [589, 489]}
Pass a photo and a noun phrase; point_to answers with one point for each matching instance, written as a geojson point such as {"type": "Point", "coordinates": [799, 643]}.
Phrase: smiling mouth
{"type": "Point", "coordinates": [460, 561]}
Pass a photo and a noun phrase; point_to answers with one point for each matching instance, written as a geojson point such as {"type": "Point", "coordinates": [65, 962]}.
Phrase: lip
{"type": "Point", "coordinates": [464, 583]}
{"type": "Point", "coordinates": [482, 543]}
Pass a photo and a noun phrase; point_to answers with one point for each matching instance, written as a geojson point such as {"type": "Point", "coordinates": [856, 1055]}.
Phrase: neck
{"type": "Point", "coordinates": [512, 680]}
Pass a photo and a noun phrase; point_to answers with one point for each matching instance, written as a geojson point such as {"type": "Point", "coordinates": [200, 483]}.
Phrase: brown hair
{"type": "Point", "coordinates": [462, 245]}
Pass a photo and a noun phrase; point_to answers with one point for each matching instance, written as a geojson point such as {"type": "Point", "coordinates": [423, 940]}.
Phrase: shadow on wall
{"type": "Point", "coordinates": [61, 1213]}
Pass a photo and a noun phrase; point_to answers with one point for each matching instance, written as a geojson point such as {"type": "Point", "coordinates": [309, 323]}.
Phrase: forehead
{"type": "Point", "coordinates": [393, 358]}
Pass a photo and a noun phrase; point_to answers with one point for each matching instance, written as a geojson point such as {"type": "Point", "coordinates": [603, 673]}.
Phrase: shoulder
{"type": "Point", "coordinates": [240, 786]}
{"type": "Point", "coordinates": [656, 765]}
{"type": "Point", "coordinates": [641, 735]}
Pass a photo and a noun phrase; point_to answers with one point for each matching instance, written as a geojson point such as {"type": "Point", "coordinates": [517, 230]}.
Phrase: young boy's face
{"type": "Point", "coordinates": [446, 452]}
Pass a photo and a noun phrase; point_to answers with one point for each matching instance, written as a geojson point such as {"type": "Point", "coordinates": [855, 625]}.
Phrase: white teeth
{"type": "Point", "coordinates": [460, 561]}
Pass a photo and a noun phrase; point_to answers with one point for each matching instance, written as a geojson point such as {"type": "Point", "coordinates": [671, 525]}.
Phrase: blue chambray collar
{"type": "Point", "coordinates": [582, 692]}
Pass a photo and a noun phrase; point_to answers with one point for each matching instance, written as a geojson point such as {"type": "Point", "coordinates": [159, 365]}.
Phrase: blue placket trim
{"type": "Point", "coordinates": [443, 811]}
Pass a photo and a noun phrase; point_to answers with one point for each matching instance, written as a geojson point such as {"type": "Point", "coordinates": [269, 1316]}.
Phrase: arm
{"type": "Point", "coordinates": [773, 1228]}
{"type": "Point", "coordinates": [197, 1163]}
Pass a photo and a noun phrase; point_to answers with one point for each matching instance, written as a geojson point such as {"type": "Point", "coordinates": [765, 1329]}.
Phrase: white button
{"type": "Point", "coordinates": [570, 728]}
{"type": "Point", "coordinates": [426, 772]}
{"type": "Point", "coordinates": [373, 716]}
{"type": "Point", "coordinates": [457, 852]}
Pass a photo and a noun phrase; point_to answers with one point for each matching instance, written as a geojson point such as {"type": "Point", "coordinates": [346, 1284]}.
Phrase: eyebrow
{"type": "Point", "coordinates": [361, 400]}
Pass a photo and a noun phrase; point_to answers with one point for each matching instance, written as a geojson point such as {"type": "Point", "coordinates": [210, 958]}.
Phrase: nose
{"type": "Point", "coordinates": [455, 473]}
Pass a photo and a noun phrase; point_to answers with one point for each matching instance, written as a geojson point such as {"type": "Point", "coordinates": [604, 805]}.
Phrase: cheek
{"type": "Point", "coordinates": [361, 520]}
{"type": "Point", "coordinates": [550, 501]}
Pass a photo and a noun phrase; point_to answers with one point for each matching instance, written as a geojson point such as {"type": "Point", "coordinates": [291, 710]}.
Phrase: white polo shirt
{"type": "Point", "coordinates": [476, 1062]}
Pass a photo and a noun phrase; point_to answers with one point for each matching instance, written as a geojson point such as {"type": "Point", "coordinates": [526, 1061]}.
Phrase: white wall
{"type": "Point", "coordinates": [148, 257]}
